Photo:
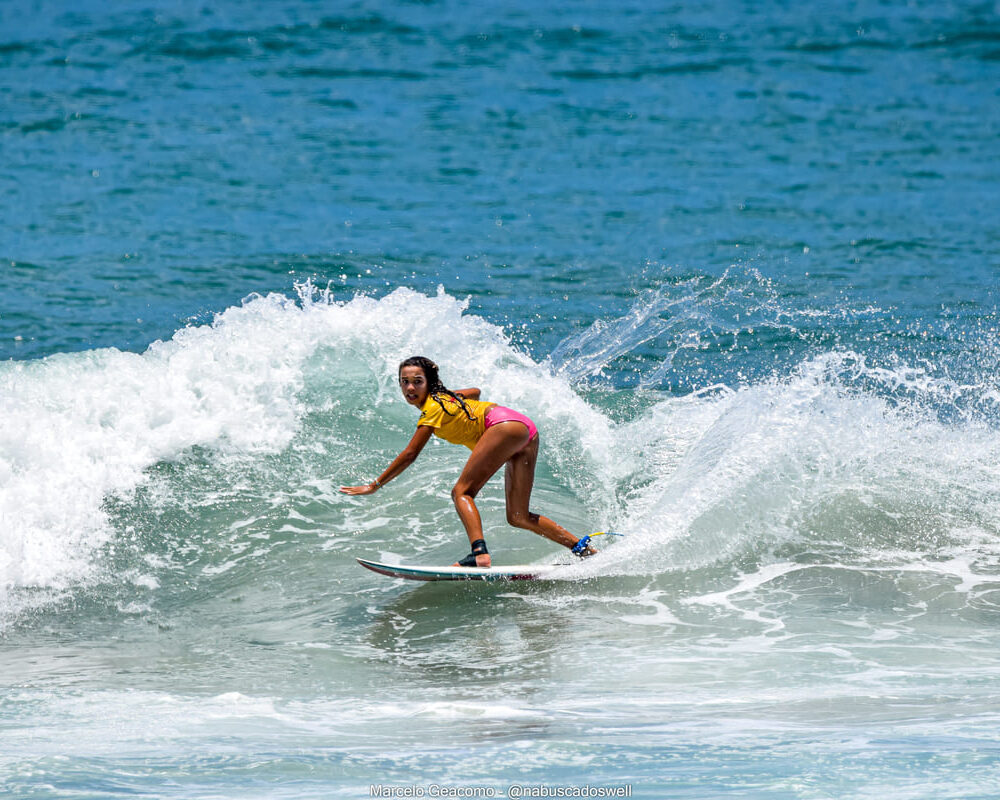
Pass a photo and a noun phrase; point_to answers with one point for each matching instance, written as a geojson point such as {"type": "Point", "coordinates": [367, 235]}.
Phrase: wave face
{"type": "Point", "coordinates": [837, 455]}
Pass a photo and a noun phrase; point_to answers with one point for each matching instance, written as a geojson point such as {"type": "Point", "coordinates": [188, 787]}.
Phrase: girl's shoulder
{"type": "Point", "coordinates": [435, 408]}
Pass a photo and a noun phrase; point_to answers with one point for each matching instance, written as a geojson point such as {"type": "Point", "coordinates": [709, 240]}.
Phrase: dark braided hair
{"type": "Point", "coordinates": [434, 385]}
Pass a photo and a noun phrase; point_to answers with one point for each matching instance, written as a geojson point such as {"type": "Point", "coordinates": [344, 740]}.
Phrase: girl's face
{"type": "Point", "coordinates": [413, 382]}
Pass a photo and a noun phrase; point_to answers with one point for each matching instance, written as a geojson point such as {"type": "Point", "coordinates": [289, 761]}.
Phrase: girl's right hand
{"type": "Point", "coordinates": [371, 488]}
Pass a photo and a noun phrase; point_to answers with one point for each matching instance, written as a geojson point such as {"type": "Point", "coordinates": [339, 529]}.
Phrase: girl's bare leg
{"type": "Point", "coordinates": [492, 451]}
{"type": "Point", "coordinates": [519, 480]}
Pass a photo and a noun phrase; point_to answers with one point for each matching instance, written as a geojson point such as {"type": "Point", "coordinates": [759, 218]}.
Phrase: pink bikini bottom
{"type": "Point", "coordinates": [496, 414]}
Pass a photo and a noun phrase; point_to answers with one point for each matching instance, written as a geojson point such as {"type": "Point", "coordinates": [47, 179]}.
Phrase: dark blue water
{"type": "Point", "coordinates": [161, 163]}
{"type": "Point", "coordinates": [739, 260]}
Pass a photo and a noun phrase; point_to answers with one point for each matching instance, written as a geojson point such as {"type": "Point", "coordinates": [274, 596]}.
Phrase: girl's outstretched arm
{"type": "Point", "coordinates": [468, 394]}
{"type": "Point", "coordinates": [401, 462]}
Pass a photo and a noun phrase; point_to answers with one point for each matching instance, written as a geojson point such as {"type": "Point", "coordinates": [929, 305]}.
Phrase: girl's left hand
{"type": "Point", "coordinates": [369, 489]}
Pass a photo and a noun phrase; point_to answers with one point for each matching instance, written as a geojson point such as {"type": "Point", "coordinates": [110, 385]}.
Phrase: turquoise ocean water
{"type": "Point", "coordinates": [738, 260]}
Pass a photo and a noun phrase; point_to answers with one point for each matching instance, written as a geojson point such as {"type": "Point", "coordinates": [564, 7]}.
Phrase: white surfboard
{"type": "Point", "coordinates": [522, 572]}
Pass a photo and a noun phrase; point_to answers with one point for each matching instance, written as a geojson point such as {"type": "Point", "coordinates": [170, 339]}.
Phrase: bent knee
{"type": "Point", "coordinates": [460, 490]}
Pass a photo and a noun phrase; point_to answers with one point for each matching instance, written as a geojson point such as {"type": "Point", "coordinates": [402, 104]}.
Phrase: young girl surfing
{"type": "Point", "coordinates": [497, 436]}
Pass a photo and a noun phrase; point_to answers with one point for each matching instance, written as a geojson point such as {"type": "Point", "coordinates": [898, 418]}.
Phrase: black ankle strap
{"type": "Point", "coordinates": [478, 549]}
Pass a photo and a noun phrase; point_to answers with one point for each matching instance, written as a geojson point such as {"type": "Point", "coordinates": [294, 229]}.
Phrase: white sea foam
{"type": "Point", "coordinates": [78, 428]}
{"type": "Point", "coordinates": [807, 456]}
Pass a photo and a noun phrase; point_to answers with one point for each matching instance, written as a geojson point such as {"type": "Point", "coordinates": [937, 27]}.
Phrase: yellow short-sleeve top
{"type": "Point", "coordinates": [450, 421]}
